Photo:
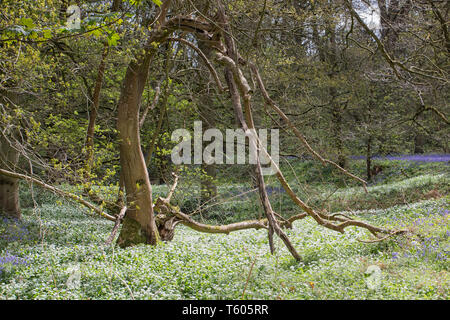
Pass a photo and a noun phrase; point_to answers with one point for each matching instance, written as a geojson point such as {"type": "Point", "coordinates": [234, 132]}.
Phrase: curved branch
{"type": "Point", "coordinates": [383, 238]}
{"type": "Point", "coordinates": [166, 211]}
{"type": "Point", "coordinates": [205, 59]}
{"type": "Point", "coordinates": [320, 218]}
{"type": "Point", "coordinates": [116, 226]}
{"type": "Point", "coordinates": [174, 186]}
{"type": "Point", "coordinates": [226, 229]}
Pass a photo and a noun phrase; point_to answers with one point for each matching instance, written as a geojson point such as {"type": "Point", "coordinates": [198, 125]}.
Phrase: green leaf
{"type": "Point", "coordinates": [27, 22]}
{"type": "Point", "coordinates": [157, 2]}
{"type": "Point", "coordinates": [47, 34]}
{"type": "Point", "coordinates": [97, 33]}
{"type": "Point", "coordinates": [112, 39]}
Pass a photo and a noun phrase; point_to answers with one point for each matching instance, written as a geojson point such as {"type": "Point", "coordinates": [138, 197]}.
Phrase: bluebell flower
{"type": "Point", "coordinates": [9, 260]}
{"type": "Point", "coordinates": [412, 158]}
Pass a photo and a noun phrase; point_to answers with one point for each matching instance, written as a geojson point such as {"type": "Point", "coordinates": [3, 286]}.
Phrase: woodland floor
{"type": "Point", "coordinates": [58, 252]}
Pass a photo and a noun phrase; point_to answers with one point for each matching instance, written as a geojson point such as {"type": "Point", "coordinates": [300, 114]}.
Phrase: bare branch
{"type": "Point", "coordinates": [174, 186]}
{"type": "Point", "coordinates": [116, 226]}
{"type": "Point", "coordinates": [393, 63]}
{"type": "Point", "coordinates": [59, 191]}
{"type": "Point", "coordinates": [205, 59]}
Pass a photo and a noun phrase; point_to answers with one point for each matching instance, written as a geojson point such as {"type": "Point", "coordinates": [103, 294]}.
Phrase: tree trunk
{"type": "Point", "coordinates": [208, 186]}
{"type": "Point", "coordinates": [419, 143]}
{"type": "Point", "coordinates": [94, 111]}
{"type": "Point", "coordinates": [139, 223]}
{"type": "Point", "coordinates": [9, 187]}
{"type": "Point", "coordinates": [328, 54]}
{"type": "Point", "coordinates": [369, 158]}
{"type": "Point", "coordinates": [337, 133]}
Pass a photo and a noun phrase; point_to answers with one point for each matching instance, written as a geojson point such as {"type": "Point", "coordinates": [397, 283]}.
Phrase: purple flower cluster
{"type": "Point", "coordinates": [412, 157]}
{"type": "Point", "coordinates": [431, 246]}
{"type": "Point", "coordinates": [13, 230]}
{"type": "Point", "coordinates": [421, 157]}
{"type": "Point", "coordinates": [271, 190]}
{"type": "Point", "coordinates": [10, 260]}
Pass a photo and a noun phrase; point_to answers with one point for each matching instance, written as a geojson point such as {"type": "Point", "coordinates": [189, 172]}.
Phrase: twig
{"type": "Point", "coordinates": [116, 226]}
{"type": "Point", "coordinates": [172, 189]}
{"type": "Point", "coordinates": [205, 59]}
{"type": "Point", "coordinates": [397, 232]}
{"type": "Point", "coordinates": [248, 277]}
{"type": "Point", "coordinates": [297, 133]}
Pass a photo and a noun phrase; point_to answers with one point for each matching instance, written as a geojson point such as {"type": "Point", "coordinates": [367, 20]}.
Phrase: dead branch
{"type": "Point", "coordinates": [167, 212]}
{"type": "Point", "coordinates": [320, 218]}
{"type": "Point", "coordinates": [239, 82]}
{"type": "Point", "coordinates": [116, 226]}
{"type": "Point", "coordinates": [204, 58]}
{"type": "Point", "coordinates": [384, 238]}
{"type": "Point", "coordinates": [172, 189]}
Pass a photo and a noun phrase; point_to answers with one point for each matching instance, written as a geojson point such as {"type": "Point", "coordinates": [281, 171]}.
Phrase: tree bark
{"type": "Point", "coordinates": [419, 142]}
{"type": "Point", "coordinates": [94, 110]}
{"type": "Point", "coordinates": [139, 223]}
{"type": "Point", "coordinates": [369, 158]}
{"type": "Point", "coordinates": [9, 186]}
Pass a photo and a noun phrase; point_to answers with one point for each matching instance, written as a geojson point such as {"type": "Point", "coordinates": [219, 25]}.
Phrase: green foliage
{"type": "Point", "coordinates": [335, 91]}
{"type": "Point", "coordinates": [67, 258]}
{"type": "Point", "coordinates": [201, 266]}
